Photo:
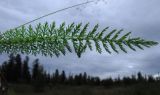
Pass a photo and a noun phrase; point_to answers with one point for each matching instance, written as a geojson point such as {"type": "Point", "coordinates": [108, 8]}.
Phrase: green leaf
{"type": "Point", "coordinates": [98, 48]}
{"type": "Point", "coordinates": [113, 46]}
{"type": "Point", "coordinates": [122, 48]}
{"type": "Point", "coordinates": [51, 28]}
{"type": "Point", "coordinates": [106, 47]}
{"type": "Point", "coordinates": [130, 46]}
{"type": "Point", "coordinates": [109, 35]}
{"type": "Point", "coordinates": [69, 29]}
{"type": "Point", "coordinates": [91, 34]}
{"type": "Point", "coordinates": [125, 36]}
{"type": "Point", "coordinates": [117, 34]}
{"type": "Point", "coordinates": [82, 34]}
{"type": "Point", "coordinates": [76, 29]}
{"type": "Point", "coordinates": [89, 44]}
{"type": "Point", "coordinates": [67, 45]}
{"type": "Point", "coordinates": [48, 40]}
{"type": "Point", "coordinates": [102, 32]}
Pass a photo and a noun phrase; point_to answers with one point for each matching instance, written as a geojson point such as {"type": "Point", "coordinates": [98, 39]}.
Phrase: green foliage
{"type": "Point", "coordinates": [47, 39]}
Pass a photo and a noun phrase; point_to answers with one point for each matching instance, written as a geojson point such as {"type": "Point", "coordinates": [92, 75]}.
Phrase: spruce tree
{"type": "Point", "coordinates": [25, 70]}
{"type": "Point", "coordinates": [18, 66]}
{"type": "Point", "coordinates": [63, 77]}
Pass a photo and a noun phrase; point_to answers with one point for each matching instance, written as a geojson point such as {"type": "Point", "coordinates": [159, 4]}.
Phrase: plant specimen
{"type": "Point", "coordinates": [48, 39]}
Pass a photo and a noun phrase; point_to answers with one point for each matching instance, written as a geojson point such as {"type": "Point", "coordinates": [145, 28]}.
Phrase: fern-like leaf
{"type": "Point", "coordinates": [46, 39]}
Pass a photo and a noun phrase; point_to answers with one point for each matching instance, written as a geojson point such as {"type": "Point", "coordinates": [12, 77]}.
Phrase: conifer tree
{"type": "Point", "coordinates": [63, 77]}
{"type": "Point", "coordinates": [25, 70]}
{"type": "Point", "coordinates": [18, 66]}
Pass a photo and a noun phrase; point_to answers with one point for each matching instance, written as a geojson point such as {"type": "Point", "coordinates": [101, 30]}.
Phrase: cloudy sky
{"type": "Point", "coordinates": [141, 17]}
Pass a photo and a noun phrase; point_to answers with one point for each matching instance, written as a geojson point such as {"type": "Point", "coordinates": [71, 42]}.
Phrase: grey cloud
{"type": "Point", "coordinates": [151, 63]}
{"type": "Point", "coordinates": [139, 16]}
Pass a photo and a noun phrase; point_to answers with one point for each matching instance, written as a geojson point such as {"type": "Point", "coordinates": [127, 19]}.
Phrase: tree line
{"type": "Point", "coordinates": [16, 70]}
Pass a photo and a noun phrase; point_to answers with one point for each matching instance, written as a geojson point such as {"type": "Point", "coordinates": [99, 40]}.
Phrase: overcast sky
{"type": "Point", "coordinates": [141, 17]}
